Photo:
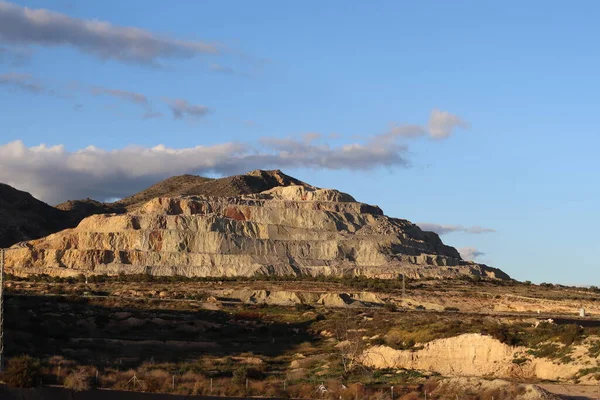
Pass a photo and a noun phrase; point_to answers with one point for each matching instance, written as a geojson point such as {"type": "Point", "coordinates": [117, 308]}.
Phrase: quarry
{"type": "Point", "coordinates": [260, 285]}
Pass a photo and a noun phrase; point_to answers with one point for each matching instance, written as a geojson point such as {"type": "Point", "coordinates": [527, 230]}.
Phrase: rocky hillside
{"type": "Point", "coordinates": [22, 217]}
{"type": "Point", "coordinates": [290, 228]}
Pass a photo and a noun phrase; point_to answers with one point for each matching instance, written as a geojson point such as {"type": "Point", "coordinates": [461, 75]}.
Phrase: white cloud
{"type": "Point", "coordinates": [182, 108]}
{"type": "Point", "coordinates": [444, 229]}
{"type": "Point", "coordinates": [54, 174]}
{"type": "Point", "coordinates": [132, 97]}
{"type": "Point", "coordinates": [403, 131]}
{"type": "Point", "coordinates": [442, 124]}
{"type": "Point", "coordinates": [26, 26]}
{"type": "Point", "coordinates": [470, 253]}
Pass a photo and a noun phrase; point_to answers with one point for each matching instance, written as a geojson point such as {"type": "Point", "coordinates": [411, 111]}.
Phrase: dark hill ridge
{"type": "Point", "coordinates": [22, 217]}
{"type": "Point", "coordinates": [191, 185]}
{"type": "Point", "coordinates": [174, 186]}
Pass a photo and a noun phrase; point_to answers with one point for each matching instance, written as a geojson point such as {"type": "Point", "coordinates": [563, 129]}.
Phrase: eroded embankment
{"type": "Point", "coordinates": [483, 356]}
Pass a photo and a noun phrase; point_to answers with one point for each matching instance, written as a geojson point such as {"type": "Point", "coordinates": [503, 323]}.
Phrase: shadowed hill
{"type": "Point", "coordinates": [186, 185]}
{"type": "Point", "coordinates": [80, 209]}
{"type": "Point", "coordinates": [23, 217]}
{"type": "Point", "coordinates": [174, 186]}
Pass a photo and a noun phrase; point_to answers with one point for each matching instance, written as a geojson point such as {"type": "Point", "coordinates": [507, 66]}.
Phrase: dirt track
{"type": "Point", "coordinates": [573, 392]}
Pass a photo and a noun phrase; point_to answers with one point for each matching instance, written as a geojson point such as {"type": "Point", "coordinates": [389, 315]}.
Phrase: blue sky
{"type": "Point", "coordinates": [511, 89]}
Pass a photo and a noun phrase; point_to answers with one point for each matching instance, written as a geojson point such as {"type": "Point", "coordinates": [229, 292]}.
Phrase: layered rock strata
{"type": "Point", "coordinates": [289, 230]}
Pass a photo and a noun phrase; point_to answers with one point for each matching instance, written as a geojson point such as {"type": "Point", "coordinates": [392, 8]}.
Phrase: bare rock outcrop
{"type": "Point", "coordinates": [285, 230]}
{"type": "Point", "coordinates": [464, 355]}
{"type": "Point", "coordinates": [289, 298]}
{"type": "Point", "coordinates": [479, 355]}
{"type": "Point", "coordinates": [23, 217]}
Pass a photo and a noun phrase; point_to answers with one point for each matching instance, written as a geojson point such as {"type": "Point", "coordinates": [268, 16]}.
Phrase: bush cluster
{"type": "Point", "coordinates": [23, 371]}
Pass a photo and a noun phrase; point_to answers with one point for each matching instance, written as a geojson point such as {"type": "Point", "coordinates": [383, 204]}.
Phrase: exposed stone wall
{"type": "Point", "coordinates": [287, 230]}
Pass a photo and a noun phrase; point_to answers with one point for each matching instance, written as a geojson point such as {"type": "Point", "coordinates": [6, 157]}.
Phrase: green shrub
{"type": "Point", "coordinates": [303, 307]}
{"type": "Point", "coordinates": [570, 334]}
{"type": "Point", "coordinates": [503, 334]}
{"type": "Point", "coordinates": [594, 349]}
{"type": "Point", "coordinates": [242, 373]}
{"type": "Point", "coordinates": [547, 350]}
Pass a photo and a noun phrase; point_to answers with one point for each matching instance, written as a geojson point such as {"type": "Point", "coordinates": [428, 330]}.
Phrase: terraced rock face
{"type": "Point", "coordinates": [288, 230]}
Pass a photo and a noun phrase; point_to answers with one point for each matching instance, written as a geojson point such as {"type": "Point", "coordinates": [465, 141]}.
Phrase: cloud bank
{"type": "Point", "coordinates": [26, 26]}
{"type": "Point", "coordinates": [444, 229]}
{"type": "Point", "coordinates": [470, 253]}
{"type": "Point", "coordinates": [54, 174]}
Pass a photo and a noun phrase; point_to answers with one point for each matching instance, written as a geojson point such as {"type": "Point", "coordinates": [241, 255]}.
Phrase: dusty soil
{"type": "Point", "coordinates": [573, 391]}
{"type": "Point", "coordinates": [286, 331]}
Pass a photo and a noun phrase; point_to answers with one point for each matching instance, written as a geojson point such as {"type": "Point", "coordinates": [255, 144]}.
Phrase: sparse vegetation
{"type": "Point", "coordinates": [22, 371]}
{"type": "Point", "coordinates": [78, 380]}
{"type": "Point", "coordinates": [270, 337]}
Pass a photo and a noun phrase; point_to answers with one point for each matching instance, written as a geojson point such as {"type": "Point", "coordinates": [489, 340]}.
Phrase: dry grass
{"type": "Point", "coordinates": [78, 380]}
{"type": "Point", "coordinates": [251, 331]}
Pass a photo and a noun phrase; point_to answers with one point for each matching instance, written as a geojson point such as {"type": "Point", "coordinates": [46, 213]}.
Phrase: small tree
{"type": "Point", "coordinates": [23, 371]}
{"type": "Point", "coordinates": [351, 345]}
{"type": "Point", "coordinates": [240, 375]}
